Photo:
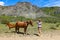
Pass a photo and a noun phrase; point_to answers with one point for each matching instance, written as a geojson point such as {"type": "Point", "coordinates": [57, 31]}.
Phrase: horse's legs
{"type": "Point", "coordinates": [9, 28]}
{"type": "Point", "coordinates": [18, 29]}
{"type": "Point", "coordinates": [15, 29]}
{"type": "Point", "coordinates": [25, 30]}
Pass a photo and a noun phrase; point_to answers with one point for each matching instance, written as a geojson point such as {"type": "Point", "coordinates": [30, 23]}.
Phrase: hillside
{"type": "Point", "coordinates": [30, 11]}
{"type": "Point", "coordinates": [53, 11]}
{"type": "Point", "coordinates": [22, 9]}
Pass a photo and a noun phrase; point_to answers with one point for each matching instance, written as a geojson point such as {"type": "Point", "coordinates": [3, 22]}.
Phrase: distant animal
{"type": "Point", "coordinates": [24, 25]}
{"type": "Point", "coordinates": [10, 25]}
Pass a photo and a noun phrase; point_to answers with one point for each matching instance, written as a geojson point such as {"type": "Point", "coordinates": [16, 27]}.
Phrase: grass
{"type": "Point", "coordinates": [30, 29]}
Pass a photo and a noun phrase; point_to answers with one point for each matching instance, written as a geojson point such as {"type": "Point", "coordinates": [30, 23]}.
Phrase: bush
{"type": "Point", "coordinates": [49, 19]}
{"type": "Point", "coordinates": [4, 21]}
{"type": "Point", "coordinates": [54, 28]}
{"type": "Point", "coordinates": [57, 25]}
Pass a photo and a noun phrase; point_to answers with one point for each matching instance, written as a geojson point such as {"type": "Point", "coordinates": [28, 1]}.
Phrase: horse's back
{"type": "Point", "coordinates": [21, 24]}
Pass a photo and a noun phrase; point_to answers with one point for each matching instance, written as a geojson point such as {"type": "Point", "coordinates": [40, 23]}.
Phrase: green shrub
{"type": "Point", "coordinates": [49, 19]}
{"type": "Point", "coordinates": [54, 28]}
{"type": "Point", "coordinates": [4, 21]}
{"type": "Point", "coordinates": [57, 25]}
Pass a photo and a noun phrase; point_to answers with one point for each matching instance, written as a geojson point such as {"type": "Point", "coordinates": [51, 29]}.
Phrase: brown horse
{"type": "Point", "coordinates": [23, 25]}
{"type": "Point", "coordinates": [10, 25]}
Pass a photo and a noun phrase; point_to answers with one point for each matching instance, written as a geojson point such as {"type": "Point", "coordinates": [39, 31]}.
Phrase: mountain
{"type": "Point", "coordinates": [53, 11]}
{"type": "Point", "coordinates": [22, 9]}
{"type": "Point", "coordinates": [28, 10]}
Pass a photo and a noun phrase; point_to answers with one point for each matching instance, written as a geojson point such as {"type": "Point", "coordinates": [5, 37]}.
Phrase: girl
{"type": "Point", "coordinates": [39, 26]}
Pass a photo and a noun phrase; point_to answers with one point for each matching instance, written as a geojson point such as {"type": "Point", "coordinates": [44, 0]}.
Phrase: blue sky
{"type": "Point", "coordinates": [39, 3]}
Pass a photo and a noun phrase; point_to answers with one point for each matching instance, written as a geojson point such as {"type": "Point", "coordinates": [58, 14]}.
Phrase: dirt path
{"type": "Point", "coordinates": [54, 35]}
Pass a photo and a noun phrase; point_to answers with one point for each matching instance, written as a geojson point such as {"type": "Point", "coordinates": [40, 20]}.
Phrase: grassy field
{"type": "Point", "coordinates": [31, 30]}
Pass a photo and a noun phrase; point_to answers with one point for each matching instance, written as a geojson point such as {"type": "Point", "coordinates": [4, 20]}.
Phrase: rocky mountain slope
{"type": "Point", "coordinates": [53, 11]}
{"type": "Point", "coordinates": [22, 9]}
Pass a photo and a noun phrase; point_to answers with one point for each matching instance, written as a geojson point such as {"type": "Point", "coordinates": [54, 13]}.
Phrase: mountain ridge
{"type": "Point", "coordinates": [26, 9]}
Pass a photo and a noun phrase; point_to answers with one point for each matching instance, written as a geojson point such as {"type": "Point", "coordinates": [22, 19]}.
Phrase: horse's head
{"type": "Point", "coordinates": [30, 22]}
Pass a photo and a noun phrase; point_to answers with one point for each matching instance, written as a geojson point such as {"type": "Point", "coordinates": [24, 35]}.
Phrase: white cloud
{"type": "Point", "coordinates": [55, 3]}
{"type": "Point", "coordinates": [1, 3]}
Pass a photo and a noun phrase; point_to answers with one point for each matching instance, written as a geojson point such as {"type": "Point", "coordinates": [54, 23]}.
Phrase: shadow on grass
{"type": "Point", "coordinates": [16, 32]}
{"type": "Point", "coordinates": [36, 34]}
{"type": "Point", "coordinates": [22, 33]}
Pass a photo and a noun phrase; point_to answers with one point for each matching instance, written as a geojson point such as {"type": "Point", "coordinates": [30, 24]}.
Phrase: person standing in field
{"type": "Point", "coordinates": [39, 23]}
